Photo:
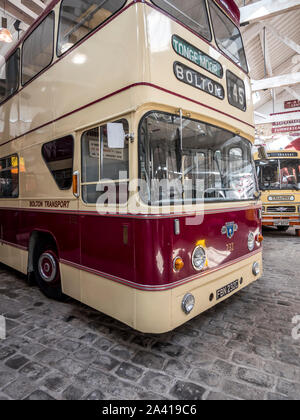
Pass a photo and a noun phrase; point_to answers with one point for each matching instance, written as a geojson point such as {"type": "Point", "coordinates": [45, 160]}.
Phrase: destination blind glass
{"type": "Point", "coordinates": [196, 56]}
{"type": "Point", "coordinates": [283, 154]}
{"type": "Point", "coordinates": [191, 77]}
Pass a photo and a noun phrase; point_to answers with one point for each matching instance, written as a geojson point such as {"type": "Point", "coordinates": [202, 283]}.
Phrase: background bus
{"type": "Point", "coordinates": [279, 182]}
{"type": "Point", "coordinates": [172, 77]}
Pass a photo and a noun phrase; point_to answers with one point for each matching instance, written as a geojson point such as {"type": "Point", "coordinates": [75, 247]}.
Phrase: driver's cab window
{"type": "Point", "coordinates": [288, 174]}
{"type": "Point", "coordinates": [103, 163]}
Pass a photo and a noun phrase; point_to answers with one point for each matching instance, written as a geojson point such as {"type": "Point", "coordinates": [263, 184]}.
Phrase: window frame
{"type": "Point", "coordinates": [209, 2]}
{"type": "Point", "coordinates": [104, 180]}
{"type": "Point", "coordinates": [18, 78]}
{"type": "Point", "coordinates": [61, 54]}
{"type": "Point", "coordinates": [7, 157]}
{"type": "Point", "coordinates": [52, 12]}
{"type": "Point", "coordinates": [195, 120]}
{"type": "Point", "coordinates": [209, 40]}
{"type": "Point", "coordinates": [46, 163]}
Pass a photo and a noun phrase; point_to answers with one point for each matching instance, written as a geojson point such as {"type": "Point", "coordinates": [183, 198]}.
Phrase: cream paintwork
{"type": "Point", "coordinates": [14, 257]}
{"type": "Point", "coordinates": [269, 218]}
{"type": "Point", "coordinates": [154, 312]}
{"type": "Point", "coordinates": [123, 60]}
{"type": "Point", "coordinates": [126, 55]}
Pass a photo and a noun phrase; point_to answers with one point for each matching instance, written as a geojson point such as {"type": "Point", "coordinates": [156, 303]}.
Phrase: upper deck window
{"type": "Point", "coordinates": [9, 76]}
{"type": "Point", "coordinates": [80, 17]}
{"type": "Point", "coordinates": [228, 36]}
{"type": "Point", "coordinates": [191, 13]}
{"type": "Point", "coordinates": [37, 50]}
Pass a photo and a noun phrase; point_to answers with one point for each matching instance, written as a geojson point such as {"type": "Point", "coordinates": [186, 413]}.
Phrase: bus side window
{"type": "Point", "coordinates": [100, 163]}
{"type": "Point", "coordinates": [9, 177]}
{"type": "Point", "coordinates": [78, 20]}
{"type": "Point", "coordinates": [58, 156]}
{"type": "Point", "coordinates": [37, 52]}
{"type": "Point", "coordinates": [9, 76]}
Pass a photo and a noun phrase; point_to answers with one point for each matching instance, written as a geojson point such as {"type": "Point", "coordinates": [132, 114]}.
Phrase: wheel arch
{"type": "Point", "coordinates": [38, 236]}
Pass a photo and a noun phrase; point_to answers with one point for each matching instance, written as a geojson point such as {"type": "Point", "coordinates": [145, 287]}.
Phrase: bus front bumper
{"type": "Point", "coordinates": [280, 220]}
{"type": "Point", "coordinates": [160, 311]}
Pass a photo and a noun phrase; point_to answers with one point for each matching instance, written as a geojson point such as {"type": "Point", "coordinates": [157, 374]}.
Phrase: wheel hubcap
{"type": "Point", "coordinates": [47, 267]}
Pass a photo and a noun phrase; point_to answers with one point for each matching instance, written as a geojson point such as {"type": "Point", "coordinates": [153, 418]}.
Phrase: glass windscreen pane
{"type": "Point", "coordinates": [191, 13]}
{"type": "Point", "coordinates": [228, 36]}
{"type": "Point", "coordinates": [79, 17]}
{"type": "Point", "coordinates": [205, 163]}
{"type": "Point", "coordinates": [37, 52]}
{"type": "Point", "coordinates": [9, 76]}
{"type": "Point", "coordinates": [279, 174]}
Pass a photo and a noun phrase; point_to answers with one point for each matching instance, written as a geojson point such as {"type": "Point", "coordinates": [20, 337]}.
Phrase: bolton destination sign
{"type": "Point", "coordinates": [193, 78]}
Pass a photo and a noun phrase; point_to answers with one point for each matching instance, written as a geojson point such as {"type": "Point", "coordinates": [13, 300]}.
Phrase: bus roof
{"type": "Point", "coordinates": [229, 7]}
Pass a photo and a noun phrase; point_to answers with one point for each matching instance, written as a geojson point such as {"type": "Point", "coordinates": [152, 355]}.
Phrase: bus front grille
{"type": "Point", "coordinates": [282, 209]}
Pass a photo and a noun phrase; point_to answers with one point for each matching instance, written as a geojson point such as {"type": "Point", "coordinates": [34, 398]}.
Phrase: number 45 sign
{"type": "Point", "coordinates": [236, 91]}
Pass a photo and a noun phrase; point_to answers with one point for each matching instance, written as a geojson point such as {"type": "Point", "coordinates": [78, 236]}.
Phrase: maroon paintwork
{"type": "Point", "coordinates": [95, 243]}
{"type": "Point", "coordinates": [231, 9]}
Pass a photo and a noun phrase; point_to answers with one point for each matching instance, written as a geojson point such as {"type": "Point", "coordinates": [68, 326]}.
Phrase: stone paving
{"type": "Point", "coordinates": [241, 349]}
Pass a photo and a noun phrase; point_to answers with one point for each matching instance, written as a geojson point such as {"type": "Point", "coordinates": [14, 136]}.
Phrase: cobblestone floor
{"type": "Point", "coordinates": [241, 349]}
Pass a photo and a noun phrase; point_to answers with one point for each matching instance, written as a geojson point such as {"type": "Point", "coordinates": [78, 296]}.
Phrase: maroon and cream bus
{"type": "Point", "coordinates": [126, 173]}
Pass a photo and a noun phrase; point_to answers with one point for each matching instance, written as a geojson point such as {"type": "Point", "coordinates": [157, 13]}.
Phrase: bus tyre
{"type": "Point", "coordinates": [283, 228]}
{"type": "Point", "coordinates": [47, 273]}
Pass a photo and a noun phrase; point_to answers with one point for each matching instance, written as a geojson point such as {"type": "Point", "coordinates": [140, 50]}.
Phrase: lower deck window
{"type": "Point", "coordinates": [58, 155]}
{"type": "Point", "coordinates": [103, 167]}
{"type": "Point", "coordinates": [9, 177]}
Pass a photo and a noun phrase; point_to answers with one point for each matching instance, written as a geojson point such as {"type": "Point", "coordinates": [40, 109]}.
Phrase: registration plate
{"type": "Point", "coordinates": [281, 223]}
{"type": "Point", "coordinates": [226, 290]}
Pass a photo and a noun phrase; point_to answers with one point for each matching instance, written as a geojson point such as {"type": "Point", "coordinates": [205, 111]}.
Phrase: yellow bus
{"type": "Point", "coordinates": [279, 182]}
{"type": "Point", "coordinates": [126, 175]}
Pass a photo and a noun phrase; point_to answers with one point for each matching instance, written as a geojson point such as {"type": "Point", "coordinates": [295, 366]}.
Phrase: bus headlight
{"type": "Point", "coordinates": [199, 258]}
{"type": "Point", "coordinates": [188, 303]}
{"type": "Point", "coordinates": [256, 269]}
{"type": "Point", "coordinates": [251, 241]}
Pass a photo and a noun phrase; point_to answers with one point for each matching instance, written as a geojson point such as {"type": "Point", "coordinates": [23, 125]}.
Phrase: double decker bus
{"type": "Point", "coordinates": [126, 174]}
{"type": "Point", "coordinates": [279, 182]}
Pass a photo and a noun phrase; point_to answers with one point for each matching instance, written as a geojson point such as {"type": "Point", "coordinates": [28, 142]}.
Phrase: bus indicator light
{"type": "Point", "coordinates": [260, 238]}
{"type": "Point", "coordinates": [76, 184]}
{"type": "Point", "coordinates": [178, 264]}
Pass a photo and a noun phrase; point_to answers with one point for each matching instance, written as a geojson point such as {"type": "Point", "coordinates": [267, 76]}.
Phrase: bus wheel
{"type": "Point", "coordinates": [283, 228]}
{"type": "Point", "coordinates": [47, 273]}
